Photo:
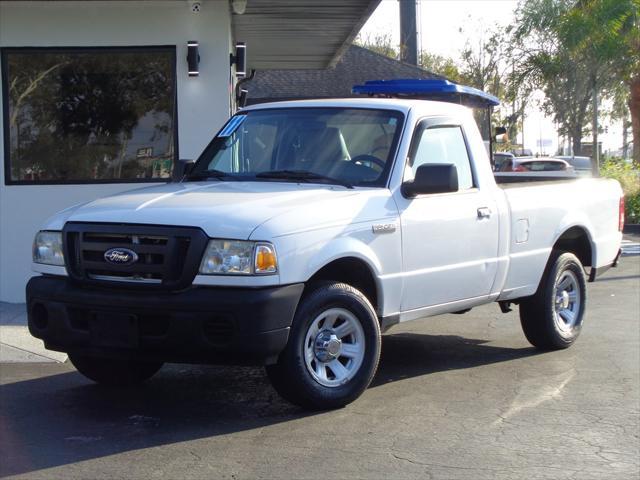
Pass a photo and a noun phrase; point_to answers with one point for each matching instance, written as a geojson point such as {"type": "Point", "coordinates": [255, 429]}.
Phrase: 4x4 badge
{"type": "Point", "coordinates": [121, 256]}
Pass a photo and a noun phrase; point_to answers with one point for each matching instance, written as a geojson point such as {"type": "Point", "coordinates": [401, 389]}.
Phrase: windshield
{"type": "Point", "coordinates": [581, 163]}
{"type": "Point", "coordinates": [329, 145]}
{"type": "Point", "coordinates": [544, 166]}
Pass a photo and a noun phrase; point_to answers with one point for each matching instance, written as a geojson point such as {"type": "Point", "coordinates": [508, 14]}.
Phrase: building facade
{"type": "Point", "coordinates": [98, 97]}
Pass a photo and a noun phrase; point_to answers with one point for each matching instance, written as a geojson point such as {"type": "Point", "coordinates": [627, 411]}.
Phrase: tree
{"type": "Point", "coordinates": [608, 31]}
{"type": "Point", "coordinates": [484, 65]}
{"type": "Point", "coordinates": [619, 96]}
{"type": "Point", "coordinates": [444, 66]}
{"type": "Point", "coordinates": [574, 50]}
{"type": "Point", "coordinates": [380, 43]}
{"type": "Point", "coordinates": [543, 62]}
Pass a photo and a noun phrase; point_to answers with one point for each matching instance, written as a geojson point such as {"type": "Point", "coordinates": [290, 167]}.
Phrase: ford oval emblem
{"type": "Point", "coordinates": [120, 256]}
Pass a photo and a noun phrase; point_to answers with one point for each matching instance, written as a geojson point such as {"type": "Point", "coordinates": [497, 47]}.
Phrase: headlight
{"type": "Point", "coordinates": [235, 257]}
{"type": "Point", "coordinates": [47, 248]}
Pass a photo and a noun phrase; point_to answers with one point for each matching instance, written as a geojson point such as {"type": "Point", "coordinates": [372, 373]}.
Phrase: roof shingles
{"type": "Point", "coordinates": [357, 65]}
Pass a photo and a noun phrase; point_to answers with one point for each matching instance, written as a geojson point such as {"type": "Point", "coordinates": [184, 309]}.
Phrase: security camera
{"type": "Point", "coordinates": [196, 7]}
{"type": "Point", "coordinates": [239, 6]}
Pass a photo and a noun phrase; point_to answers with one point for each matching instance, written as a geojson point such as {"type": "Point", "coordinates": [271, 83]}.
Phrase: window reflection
{"type": "Point", "coordinates": [77, 115]}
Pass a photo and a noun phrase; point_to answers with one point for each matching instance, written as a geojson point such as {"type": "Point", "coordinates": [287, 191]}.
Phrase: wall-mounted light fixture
{"type": "Point", "coordinates": [193, 58]}
{"type": "Point", "coordinates": [240, 59]}
{"type": "Point", "coordinates": [242, 93]}
{"type": "Point", "coordinates": [239, 6]}
{"type": "Point", "coordinates": [242, 98]}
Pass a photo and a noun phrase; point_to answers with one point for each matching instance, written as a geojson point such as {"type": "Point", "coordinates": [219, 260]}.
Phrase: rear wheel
{"type": "Point", "coordinates": [114, 372]}
{"type": "Point", "coordinates": [333, 349]}
{"type": "Point", "coordinates": [552, 318]}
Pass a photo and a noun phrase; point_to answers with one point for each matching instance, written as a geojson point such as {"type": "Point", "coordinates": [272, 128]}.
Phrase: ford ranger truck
{"type": "Point", "coordinates": [303, 231]}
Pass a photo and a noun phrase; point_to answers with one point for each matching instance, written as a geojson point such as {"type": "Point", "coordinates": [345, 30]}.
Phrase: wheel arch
{"type": "Point", "coordinates": [352, 270]}
{"type": "Point", "coordinates": [577, 240]}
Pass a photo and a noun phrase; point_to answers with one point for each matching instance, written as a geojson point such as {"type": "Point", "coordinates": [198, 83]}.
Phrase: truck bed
{"type": "Point", "coordinates": [507, 180]}
{"type": "Point", "coordinates": [541, 209]}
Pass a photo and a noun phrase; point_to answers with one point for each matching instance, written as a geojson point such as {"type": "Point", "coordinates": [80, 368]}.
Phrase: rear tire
{"type": "Point", "coordinates": [552, 318]}
{"type": "Point", "coordinates": [114, 372]}
{"type": "Point", "coordinates": [333, 349]}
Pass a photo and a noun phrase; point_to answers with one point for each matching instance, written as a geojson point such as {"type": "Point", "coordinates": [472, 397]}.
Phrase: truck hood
{"type": "Point", "coordinates": [221, 209]}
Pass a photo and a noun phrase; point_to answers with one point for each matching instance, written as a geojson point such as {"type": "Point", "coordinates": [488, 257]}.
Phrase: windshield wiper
{"type": "Point", "coordinates": [206, 174]}
{"type": "Point", "coordinates": [302, 176]}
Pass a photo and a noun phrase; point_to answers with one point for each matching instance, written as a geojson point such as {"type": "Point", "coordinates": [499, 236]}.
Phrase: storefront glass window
{"type": "Point", "coordinates": [89, 115]}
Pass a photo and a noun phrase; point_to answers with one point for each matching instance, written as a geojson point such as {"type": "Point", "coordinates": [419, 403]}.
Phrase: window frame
{"type": "Point", "coordinates": [439, 122]}
{"type": "Point", "coordinates": [6, 131]}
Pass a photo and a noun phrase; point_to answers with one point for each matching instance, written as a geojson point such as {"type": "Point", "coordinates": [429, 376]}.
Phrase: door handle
{"type": "Point", "coordinates": [484, 212]}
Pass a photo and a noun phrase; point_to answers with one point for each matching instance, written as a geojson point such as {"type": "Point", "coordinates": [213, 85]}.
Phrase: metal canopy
{"type": "Point", "coordinates": [442, 90]}
{"type": "Point", "coordinates": [307, 34]}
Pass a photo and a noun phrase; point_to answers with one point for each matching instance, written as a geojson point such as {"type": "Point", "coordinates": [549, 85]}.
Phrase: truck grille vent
{"type": "Point", "coordinates": [219, 330]}
{"type": "Point", "coordinates": [167, 257]}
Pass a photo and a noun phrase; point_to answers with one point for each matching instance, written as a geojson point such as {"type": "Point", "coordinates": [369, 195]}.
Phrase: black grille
{"type": "Point", "coordinates": [168, 257]}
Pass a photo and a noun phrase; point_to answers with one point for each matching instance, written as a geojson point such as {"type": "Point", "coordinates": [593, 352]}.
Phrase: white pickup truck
{"type": "Point", "coordinates": [303, 231]}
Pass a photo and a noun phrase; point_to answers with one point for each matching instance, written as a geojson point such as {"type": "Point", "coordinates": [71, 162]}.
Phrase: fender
{"type": "Point", "coordinates": [576, 219]}
{"type": "Point", "coordinates": [388, 288]}
{"type": "Point", "coordinates": [345, 247]}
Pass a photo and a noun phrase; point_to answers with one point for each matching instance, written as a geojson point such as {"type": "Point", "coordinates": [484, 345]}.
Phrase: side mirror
{"type": "Point", "coordinates": [500, 135]}
{"type": "Point", "coordinates": [432, 178]}
{"type": "Point", "coordinates": [182, 168]}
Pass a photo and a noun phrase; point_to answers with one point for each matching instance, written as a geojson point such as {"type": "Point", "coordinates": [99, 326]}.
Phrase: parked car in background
{"type": "Point", "coordinates": [522, 152]}
{"type": "Point", "coordinates": [536, 165]}
{"type": "Point", "coordinates": [581, 165]}
{"type": "Point", "coordinates": [499, 158]}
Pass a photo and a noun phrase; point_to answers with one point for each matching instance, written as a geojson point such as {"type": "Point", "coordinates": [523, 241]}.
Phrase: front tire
{"type": "Point", "coordinates": [333, 349]}
{"type": "Point", "coordinates": [552, 318]}
{"type": "Point", "coordinates": [114, 372]}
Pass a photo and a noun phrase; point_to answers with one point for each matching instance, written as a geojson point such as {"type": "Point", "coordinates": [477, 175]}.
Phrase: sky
{"type": "Point", "coordinates": [444, 28]}
{"type": "Point", "coordinates": [441, 20]}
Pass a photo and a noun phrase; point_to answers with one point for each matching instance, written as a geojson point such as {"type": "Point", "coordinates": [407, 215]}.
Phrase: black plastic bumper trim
{"type": "Point", "coordinates": [198, 325]}
{"type": "Point", "coordinates": [596, 272]}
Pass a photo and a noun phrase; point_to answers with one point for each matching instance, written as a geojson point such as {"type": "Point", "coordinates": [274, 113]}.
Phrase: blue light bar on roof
{"type": "Point", "coordinates": [432, 89]}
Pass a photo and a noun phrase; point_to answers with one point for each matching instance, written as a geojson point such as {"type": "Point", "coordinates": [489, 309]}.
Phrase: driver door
{"type": "Point", "coordinates": [449, 240]}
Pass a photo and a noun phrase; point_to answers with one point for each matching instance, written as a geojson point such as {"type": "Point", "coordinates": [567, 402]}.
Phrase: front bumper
{"type": "Point", "coordinates": [198, 325]}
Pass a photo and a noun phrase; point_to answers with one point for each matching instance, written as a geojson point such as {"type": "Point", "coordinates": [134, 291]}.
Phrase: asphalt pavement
{"type": "Point", "coordinates": [456, 397]}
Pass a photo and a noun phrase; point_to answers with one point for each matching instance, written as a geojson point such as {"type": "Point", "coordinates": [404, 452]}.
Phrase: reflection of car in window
{"type": "Point", "coordinates": [499, 158]}
{"type": "Point", "coordinates": [535, 165]}
{"type": "Point", "coordinates": [522, 152]}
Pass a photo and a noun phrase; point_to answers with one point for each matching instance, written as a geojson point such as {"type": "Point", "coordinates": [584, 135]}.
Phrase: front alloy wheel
{"type": "Point", "coordinates": [333, 349]}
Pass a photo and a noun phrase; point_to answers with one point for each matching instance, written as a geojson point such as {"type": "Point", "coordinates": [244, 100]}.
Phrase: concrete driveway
{"type": "Point", "coordinates": [456, 397]}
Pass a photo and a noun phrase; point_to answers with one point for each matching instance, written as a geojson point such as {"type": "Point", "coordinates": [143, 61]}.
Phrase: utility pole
{"type": "Point", "coordinates": [408, 32]}
{"type": "Point", "coordinates": [596, 151]}
{"type": "Point", "coordinates": [523, 131]}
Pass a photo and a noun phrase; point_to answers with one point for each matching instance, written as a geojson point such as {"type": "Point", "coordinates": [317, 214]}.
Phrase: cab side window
{"type": "Point", "coordinates": [444, 144]}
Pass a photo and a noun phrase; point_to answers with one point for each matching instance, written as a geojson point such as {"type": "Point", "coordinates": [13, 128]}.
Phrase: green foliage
{"type": "Point", "coordinates": [440, 65]}
{"type": "Point", "coordinates": [573, 48]}
{"type": "Point", "coordinates": [606, 30]}
{"type": "Point", "coordinates": [380, 43]}
{"type": "Point", "coordinates": [629, 177]}
{"type": "Point", "coordinates": [481, 64]}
